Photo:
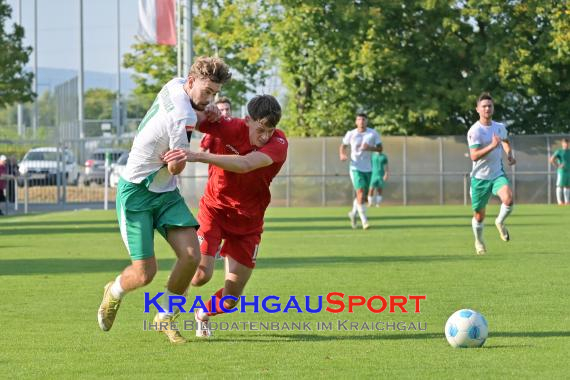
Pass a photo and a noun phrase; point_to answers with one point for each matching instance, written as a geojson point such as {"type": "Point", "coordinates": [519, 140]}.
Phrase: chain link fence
{"type": "Point", "coordinates": [424, 170]}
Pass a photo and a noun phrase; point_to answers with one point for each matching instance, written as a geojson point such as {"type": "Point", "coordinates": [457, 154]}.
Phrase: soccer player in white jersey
{"type": "Point", "coordinates": [487, 140]}
{"type": "Point", "coordinates": [362, 141]}
{"type": "Point", "coordinates": [148, 198]}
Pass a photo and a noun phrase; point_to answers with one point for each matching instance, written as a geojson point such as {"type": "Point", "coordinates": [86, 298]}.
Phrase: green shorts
{"type": "Point", "coordinates": [376, 182]}
{"type": "Point", "coordinates": [140, 212]}
{"type": "Point", "coordinates": [481, 190]}
{"type": "Point", "coordinates": [360, 180]}
{"type": "Point", "coordinates": [563, 178]}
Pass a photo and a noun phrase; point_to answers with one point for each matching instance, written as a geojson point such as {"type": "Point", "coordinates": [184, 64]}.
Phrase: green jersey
{"type": "Point", "coordinates": [379, 161]}
{"type": "Point", "coordinates": [562, 156]}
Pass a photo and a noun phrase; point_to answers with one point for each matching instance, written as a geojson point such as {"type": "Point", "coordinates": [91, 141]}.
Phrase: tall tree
{"type": "Point", "coordinates": [231, 29]}
{"type": "Point", "coordinates": [15, 83]}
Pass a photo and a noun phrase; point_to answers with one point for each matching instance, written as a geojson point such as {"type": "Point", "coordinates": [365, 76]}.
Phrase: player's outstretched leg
{"type": "Point", "coordinates": [352, 214]}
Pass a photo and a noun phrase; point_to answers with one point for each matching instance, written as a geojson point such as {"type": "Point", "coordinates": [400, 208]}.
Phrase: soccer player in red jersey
{"type": "Point", "coordinates": [236, 196]}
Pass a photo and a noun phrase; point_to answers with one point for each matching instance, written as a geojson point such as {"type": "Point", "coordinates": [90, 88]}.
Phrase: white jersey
{"type": "Point", "coordinates": [361, 160]}
{"type": "Point", "coordinates": [163, 128]}
{"type": "Point", "coordinates": [490, 166]}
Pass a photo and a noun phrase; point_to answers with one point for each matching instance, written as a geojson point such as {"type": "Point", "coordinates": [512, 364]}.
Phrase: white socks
{"type": "Point", "coordinates": [116, 290]}
{"type": "Point", "coordinates": [362, 212]}
{"type": "Point", "coordinates": [559, 192]}
{"type": "Point", "coordinates": [378, 200]}
{"type": "Point", "coordinates": [505, 211]}
{"type": "Point", "coordinates": [370, 200]}
{"type": "Point", "coordinates": [165, 303]}
{"type": "Point", "coordinates": [354, 207]}
{"type": "Point", "coordinates": [567, 195]}
{"type": "Point", "coordinates": [477, 230]}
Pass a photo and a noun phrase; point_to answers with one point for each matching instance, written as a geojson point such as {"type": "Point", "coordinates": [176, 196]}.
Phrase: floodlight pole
{"type": "Point", "coordinates": [35, 82]}
{"type": "Point", "coordinates": [80, 81]}
{"type": "Point", "coordinates": [20, 108]}
{"type": "Point", "coordinates": [188, 56]}
{"type": "Point", "coordinates": [118, 100]}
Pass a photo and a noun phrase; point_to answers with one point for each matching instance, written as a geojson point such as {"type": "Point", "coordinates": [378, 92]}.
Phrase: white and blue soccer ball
{"type": "Point", "coordinates": [466, 328]}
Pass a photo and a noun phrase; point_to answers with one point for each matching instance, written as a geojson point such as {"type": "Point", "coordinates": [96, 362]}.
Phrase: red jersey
{"type": "Point", "coordinates": [243, 197]}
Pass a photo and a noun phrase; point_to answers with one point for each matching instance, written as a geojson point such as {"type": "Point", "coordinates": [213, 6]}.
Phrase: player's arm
{"type": "Point", "coordinates": [232, 163]}
{"type": "Point", "coordinates": [476, 153]}
{"type": "Point", "coordinates": [342, 152]}
{"type": "Point", "coordinates": [509, 151]}
{"type": "Point", "coordinates": [370, 148]}
{"type": "Point", "coordinates": [555, 161]}
{"type": "Point", "coordinates": [386, 172]}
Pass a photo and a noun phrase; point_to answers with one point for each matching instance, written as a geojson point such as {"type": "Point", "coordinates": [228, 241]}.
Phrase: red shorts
{"type": "Point", "coordinates": [241, 248]}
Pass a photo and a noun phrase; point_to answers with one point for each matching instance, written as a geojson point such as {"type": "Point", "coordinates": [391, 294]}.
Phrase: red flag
{"type": "Point", "coordinates": [157, 21]}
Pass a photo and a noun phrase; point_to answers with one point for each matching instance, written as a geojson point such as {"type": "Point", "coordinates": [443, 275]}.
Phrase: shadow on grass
{"type": "Point", "coordinates": [357, 336]}
{"type": "Point", "coordinates": [60, 223]}
{"type": "Point", "coordinates": [12, 231]}
{"type": "Point", "coordinates": [16, 267]}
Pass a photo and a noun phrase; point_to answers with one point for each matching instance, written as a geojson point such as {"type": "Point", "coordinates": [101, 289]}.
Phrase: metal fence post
{"type": "Point", "coordinates": [288, 186]}
{"type": "Point", "coordinates": [404, 171]}
{"type": "Point", "coordinates": [440, 170]}
{"type": "Point", "coordinates": [324, 172]}
{"type": "Point", "coordinates": [548, 175]}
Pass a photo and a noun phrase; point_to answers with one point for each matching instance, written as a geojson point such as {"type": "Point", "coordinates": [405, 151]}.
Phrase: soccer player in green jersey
{"type": "Point", "coordinates": [380, 174]}
{"type": "Point", "coordinates": [148, 198]}
{"type": "Point", "coordinates": [561, 160]}
{"type": "Point", "coordinates": [487, 140]}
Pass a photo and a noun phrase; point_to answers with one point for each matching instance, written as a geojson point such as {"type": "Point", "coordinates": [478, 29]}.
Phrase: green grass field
{"type": "Point", "coordinates": [53, 268]}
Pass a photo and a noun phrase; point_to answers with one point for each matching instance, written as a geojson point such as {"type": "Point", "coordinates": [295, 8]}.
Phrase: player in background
{"type": "Point", "coordinates": [208, 142]}
{"type": "Point", "coordinates": [236, 197]}
{"type": "Point", "coordinates": [380, 174]}
{"type": "Point", "coordinates": [487, 140]}
{"type": "Point", "coordinates": [561, 160]}
{"type": "Point", "coordinates": [362, 141]}
{"type": "Point", "coordinates": [148, 198]}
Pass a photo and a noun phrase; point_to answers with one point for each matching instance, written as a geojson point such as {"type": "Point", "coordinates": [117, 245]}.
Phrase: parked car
{"type": "Point", "coordinates": [95, 164]}
{"type": "Point", "coordinates": [43, 165]}
{"type": "Point", "coordinates": [117, 168]}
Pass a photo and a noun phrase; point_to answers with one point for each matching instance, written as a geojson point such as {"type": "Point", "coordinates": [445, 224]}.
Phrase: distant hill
{"type": "Point", "coordinates": [49, 78]}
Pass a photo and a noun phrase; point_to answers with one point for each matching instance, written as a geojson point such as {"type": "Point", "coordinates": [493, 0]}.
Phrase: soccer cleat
{"type": "Point", "coordinates": [503, 232]}
{"type": "Point", "coordinates": [167, 326]}
{"type": "Point", "coordinates": [365, 226]}
{"type": "Point", "coordinates": [480, 248]}
{"type": "Point", "coordinates": [352, 218]}
{"type": "Point", "coordinates": [108, 309]}
{"type": "Point", "coordinates": [202, 327]}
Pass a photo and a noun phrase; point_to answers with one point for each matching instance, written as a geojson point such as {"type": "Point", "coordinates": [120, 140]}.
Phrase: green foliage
{"type": "Point", "coordinates": [98, 103]}
{"type": "Point", "coordinates": [417, 66]}
{"type": "Point", "coordinates": [15, 83]}
{"type": "Point", "coordinates": [228, 29]}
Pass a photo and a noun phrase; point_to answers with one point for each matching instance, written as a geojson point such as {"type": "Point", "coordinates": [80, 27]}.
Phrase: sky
{"type": "Point", "coordinates": [58, 31]}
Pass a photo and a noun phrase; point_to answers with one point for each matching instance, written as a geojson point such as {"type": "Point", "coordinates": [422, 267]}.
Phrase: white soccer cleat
{"type": "Point", "coordinates": [480, 248]}
{"type": "Point", "coordinates": [202, 326]}
{"type": "Point", "coordinates": [365, 226]}
{"type": "Point", "coordinates": [352, 218]}
{"type": "Point", "coordinates": [503, 232]}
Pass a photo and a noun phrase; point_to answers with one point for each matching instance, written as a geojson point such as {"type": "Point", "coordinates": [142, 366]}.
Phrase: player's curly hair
{"type": "Point", "coordinates": [485, 96]}
{"type": "Point", "coordinates": [265, 109]}
{"type": "Point", "coordinates": [212, 68]}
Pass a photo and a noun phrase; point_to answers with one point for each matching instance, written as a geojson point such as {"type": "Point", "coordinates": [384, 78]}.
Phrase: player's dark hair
{"type": "Point", "coordinates": [362, 114]}
{"type": "Point", "coordinates": [565, 140]}
{"type": "Point", "coordinates": [264, 109]}
{"type": "Point", "coordinates": [484, 96]}
{"type": "Point", "coordinates": [224, 100]}
{"type": "Point", "coordinates": [212, 68]}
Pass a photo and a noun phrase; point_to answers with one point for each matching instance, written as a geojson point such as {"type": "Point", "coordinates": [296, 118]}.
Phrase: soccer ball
{"type": "Point", "coordinates": [466, 328]}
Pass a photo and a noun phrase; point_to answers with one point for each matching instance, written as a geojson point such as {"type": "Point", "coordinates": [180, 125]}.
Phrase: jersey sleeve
{"type": "Point", "coordinates": [346, 139]}
{"type": "Point", "coordinates": [206, 141]}
{"type": "Point", "coordinates": [276, 149]}
{"type": "Point", "coordinates": [473, 139]}
{"type": "Point", "coordinates": [378, 139]}
{"type": "Point", "coordinates": [227, 128]}
{"type": "Point", "coordinates": [503, 134]}
{"type": "Point", "coordinates": [178, 139]}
